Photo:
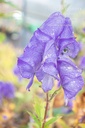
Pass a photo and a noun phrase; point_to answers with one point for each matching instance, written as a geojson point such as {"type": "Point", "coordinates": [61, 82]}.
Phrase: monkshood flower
{"type": "Point", "coordinates": [68, 47]}
{"type": "Point", "coordinates": [7, 90]}
{"type": "Point", "coordinates": [52, 44]}
{"type": "Point", "coordinates": [82, 63]}
{"type": "Point", "coordinates": [17, 73]}
{"type": "Point", "coordinates": [45, 75]}
{"type": "Point", "coordinates": [70, 77]}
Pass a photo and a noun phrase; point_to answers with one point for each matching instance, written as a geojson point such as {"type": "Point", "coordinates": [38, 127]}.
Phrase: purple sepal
{"type": "Point", "coordinates": [30, 83]}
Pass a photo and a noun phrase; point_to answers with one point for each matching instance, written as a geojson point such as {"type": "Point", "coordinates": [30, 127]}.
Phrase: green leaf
{"type": "Point", "coordinates": [2, 37]}
{"type": "Point", "coordinates": [65, 8]}
{"type": "Point", "coordinates": [39, 108]}
{"type": "Point", "coordinates": [51, 121]}
{"type": "Point", "coordinates": [35, 119]}
{"type": "Point", "coordinates": [35, 126]}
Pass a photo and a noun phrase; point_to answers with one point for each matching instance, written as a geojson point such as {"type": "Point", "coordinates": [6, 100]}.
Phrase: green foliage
{"type": "Point", "coordinates": [51, 121]}
{"type": "Point", "coordinates": [36, 119]}
{"type": "Point", "coordinates": [6, 15]}
{"type": "Point", "coordinates": [39, 108]}
{"type": "Point", "coordinates": [54, 93]}
{"type": "Point", "coordinates": [65, 8]}
{"type": "Point", "coordinates": [38, 114]}
{"type": "Point", "coordinates": [2, 37]}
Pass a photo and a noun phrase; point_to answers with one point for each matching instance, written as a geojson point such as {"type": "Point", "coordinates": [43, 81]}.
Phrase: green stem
{"type": "Point", "coordinates": [46, 110]}
{"type": "Point", "coordinates": [62, 5]}
{"type": "Point", "coordinates": [55, 93]}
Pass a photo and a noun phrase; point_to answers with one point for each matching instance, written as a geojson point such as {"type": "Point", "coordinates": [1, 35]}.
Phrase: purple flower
{"type": "Point", "coordinates": [7, 90]}
{"type": "Point", "coordinates": [17, 73]}
{"type": "Point", "coordinates": [48, 56]}
{"type": "Point", "coordinates": [48, 70]}
{"type": "Point", "coordinates": [53, 26]}
{"type": "Point", "coordinates": [67, 32]}
{"type": "Point", "coordinates": [70, 77]}
{"type": "Point", "coordinates": [31, 59]}
{"type": "Point", "coordinates": [82, 63]}
{"type": "Point", "coordinates": [68, 47]}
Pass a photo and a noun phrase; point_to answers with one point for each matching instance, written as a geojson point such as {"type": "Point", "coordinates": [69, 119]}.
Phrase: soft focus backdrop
{"type": "Point", "coordinates": [18, 20]}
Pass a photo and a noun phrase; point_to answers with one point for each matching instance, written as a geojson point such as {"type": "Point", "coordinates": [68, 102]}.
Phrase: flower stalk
{"type": "Point", "coordinates": [53, 46]}
{"type": "Point", "coordinates": [46, 110]}
{"type": "Point", "coordinates": [62, 5]}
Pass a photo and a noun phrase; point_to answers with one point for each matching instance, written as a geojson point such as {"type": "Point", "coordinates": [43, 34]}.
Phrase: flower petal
{"type": "Point", "coordinates": [67, 68]}
{"type": "Point", "coordinates": [49, 62]}
{"type": "Point", "coordinates": [69, 47]}
{"type": "Point", "coordinates": [25, 69]}
{"type": "Point", "coordinates": [47, 83]}
{"type": "Point", "coordinates": [53, 25]}
{"type": "Point", "coordinates": [73, 87]}
{"type": "Point", "coordinates": [71, 79]}
{"type": "Point", "coordinates": [41, 36]}
{"type": "Point", "coordinates": [50, 68]}
{"type": "Point", "coordinates": [69, 102]}
{"type": "Point", "coordinates": [17, 72]}
{"type": "Point", "coordinates": [82, 63]}
{"type": "Point", "coordinates": [31, 59]}
{"type": "Point", "coordinates": [40, 74]}
{"type": "Point", "coordinates": [50, 59]}
{"type": "Point", "coordinates": [67, 30]}
{"type": "Point", "coordinates": [30, 83]}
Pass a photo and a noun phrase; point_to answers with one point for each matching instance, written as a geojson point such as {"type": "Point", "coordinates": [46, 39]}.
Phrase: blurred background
{"type": "Point", "coordinates": [18, 20]}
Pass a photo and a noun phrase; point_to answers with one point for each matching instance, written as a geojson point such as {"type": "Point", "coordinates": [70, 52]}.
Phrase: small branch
{"type": "Point", "coordinates": [53, 95]}
{"type": "Point", "coordinates": [62, 5]}
{"type": "Point", "coordinates": [46, 109]}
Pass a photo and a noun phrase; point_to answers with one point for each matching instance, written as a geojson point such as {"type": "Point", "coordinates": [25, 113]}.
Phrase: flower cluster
{"type": "Point", "coordinates": [49, 54]}
{"type": "Point", "coordinates": [7, 90]}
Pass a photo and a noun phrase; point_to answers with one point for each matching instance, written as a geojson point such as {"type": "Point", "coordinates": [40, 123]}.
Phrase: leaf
{"type": "Point", "coordinates": [35, 126]}
{"type": "Point", "coordinates": [51, 121]}
{"type": "Point", "coordinates": [65, 8]}
{"type": "Point", "coordinates": [39, 108]}
{"type": "Point", "coordinates": [35, 119]}
{"type": "Point", "coordinates": [2, 37]}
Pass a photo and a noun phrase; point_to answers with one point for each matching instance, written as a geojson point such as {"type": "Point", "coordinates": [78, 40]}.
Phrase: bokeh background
{"type": "Point", "coordinates": [18, 20]}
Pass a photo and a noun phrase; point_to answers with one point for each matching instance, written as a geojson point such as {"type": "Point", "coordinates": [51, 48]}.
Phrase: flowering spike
{"type": "Point", "coordinates": [48, 56]}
